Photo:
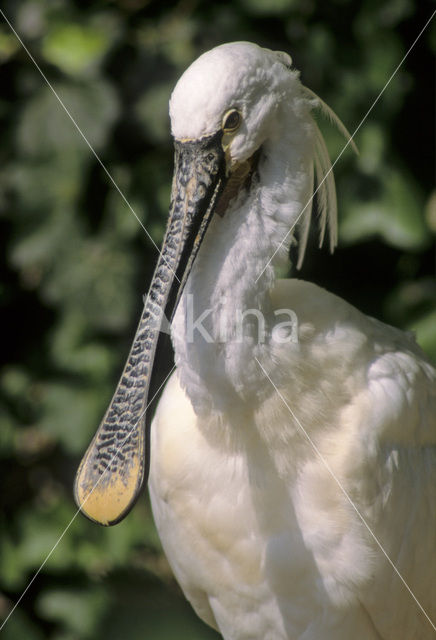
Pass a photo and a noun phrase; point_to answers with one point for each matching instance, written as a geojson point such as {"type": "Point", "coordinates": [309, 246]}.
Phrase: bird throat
{"type": "Point", "coordinates": [240, 179]}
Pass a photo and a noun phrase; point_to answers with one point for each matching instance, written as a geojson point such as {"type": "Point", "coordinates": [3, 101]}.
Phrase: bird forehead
{"type": "Point", "coordinates": [220, 79]}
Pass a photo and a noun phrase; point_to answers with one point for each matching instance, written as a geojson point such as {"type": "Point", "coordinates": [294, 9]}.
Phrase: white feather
{"type": "Point", "coordinates": [324, 185]}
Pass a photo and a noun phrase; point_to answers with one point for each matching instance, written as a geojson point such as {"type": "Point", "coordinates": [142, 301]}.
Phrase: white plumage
{"type": "Point", "coordinates": [254, 513]}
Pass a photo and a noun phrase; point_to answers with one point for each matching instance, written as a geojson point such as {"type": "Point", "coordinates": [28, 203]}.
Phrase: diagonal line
{"type": "Point", "coordinates": [344, 491]}
{"type": "Point", "coordinates": [83, 503]}
{"type": "Point", "coordinates": [350, 139]}
{"type": "Point", "coordinates": [97, 157]}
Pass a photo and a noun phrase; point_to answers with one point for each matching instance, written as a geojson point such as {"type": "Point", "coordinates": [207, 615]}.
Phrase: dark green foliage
{"type": "Point", "coordinates": [75, 261]}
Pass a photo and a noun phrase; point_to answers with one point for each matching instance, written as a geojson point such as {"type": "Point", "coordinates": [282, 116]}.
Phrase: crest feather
{"type": "Point", "coordinates": [323, 183]}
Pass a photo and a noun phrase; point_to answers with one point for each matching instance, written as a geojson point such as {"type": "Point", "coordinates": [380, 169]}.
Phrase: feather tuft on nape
{"type": "Point", "coordinates": [323, 183]}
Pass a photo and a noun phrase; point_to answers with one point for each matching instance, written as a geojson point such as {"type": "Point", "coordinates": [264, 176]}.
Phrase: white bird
{"type": "Point", "coordinates": [293, 451]}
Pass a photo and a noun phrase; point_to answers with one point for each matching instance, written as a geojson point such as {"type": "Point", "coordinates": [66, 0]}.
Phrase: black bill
{"type": "Point", "coordinates": [116, 463]}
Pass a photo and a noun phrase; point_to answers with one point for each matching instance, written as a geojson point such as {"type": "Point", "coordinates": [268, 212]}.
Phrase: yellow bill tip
{"type": "Point", "coordinates": [108, 499]}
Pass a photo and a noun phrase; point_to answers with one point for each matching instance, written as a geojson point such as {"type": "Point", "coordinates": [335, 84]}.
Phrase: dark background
{"type": "Point", "coordinates": [75, 262]}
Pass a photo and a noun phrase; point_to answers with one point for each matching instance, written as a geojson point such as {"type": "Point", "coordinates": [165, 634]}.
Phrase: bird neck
{"type": "Point", "coordinates": [224, 321]}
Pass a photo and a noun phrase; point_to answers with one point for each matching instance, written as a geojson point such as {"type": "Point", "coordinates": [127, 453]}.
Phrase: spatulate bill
{"type": "Point", "coordinates": [113, 469]}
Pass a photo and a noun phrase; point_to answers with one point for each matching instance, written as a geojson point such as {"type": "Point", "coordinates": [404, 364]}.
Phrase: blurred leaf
{"type": "Point", "coordinates": [172, 36]}
{"type": "Point", "coordinates": [45, 128]}
{"type": "Point", "coordinates": [394, 11]}
{"type": "Point", "coordinates": [424, 328]}
{"type": "Point", "coordinates": [430, 212]}
{"type": "Point", "coordinates": [69, 414]}
{"type": "Point", "coordinates": [43, 184]}
{"type": "Point", "coordinates": [372, 145]}
{"type": "Point", "coordinates": [413, 307]}
{"type": "Point", "coordinates": [14, 381]}
{"type": "Point", "coordinates": [119, 219]}
{"type": "Point", "coordinates": [141, 611]}
{"type": "Point", "coordinates": [8, 44]}
{"type": "Point", "coordinates": [411, 297]}
{"type": "Point", "coordinates": [268, 7]}
{"type": "Point", "coordinates": [152, 111]}
{"type": "Point", "coordinates": [35, 251]}
{"type": "Point", "coordinates": [16, 388]}
{"type": "Point", "coordinates": [73, 351]}
{"type": "Point", "coordinates": [19, 626]}
{"type": "Point", "coordinates": [75, 48]}
{"type": "Point", "coordinates": [20, 558]}
{"type": "Point", "coordinates": [79, 610]}
{"type": "Point", "coordinates": [397, 216]}
{"type": "Point", "coordinates": [6, 433]}
{"type": "Point", "coordinates": [32, 17]}
{"type": "Point", "coordinates": [94, 276]}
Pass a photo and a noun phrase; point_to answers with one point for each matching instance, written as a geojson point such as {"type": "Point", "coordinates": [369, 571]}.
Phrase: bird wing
{"type": "Point", "coordinates": [365, 393]}
{"type": "Point", "coordinates": [400, 493]}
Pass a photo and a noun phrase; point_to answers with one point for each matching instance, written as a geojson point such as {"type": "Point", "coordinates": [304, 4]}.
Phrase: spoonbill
{"type": "Point", "coordinates": [293, 450]}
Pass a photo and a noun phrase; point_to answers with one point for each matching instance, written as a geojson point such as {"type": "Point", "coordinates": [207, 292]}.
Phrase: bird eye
{"type": "Point", "coordinates": [231, 121]}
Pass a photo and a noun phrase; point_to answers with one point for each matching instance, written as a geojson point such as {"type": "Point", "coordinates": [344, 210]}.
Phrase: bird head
{"type": "Point", "coordinates": [235, 91]}
{"type": "Point", "coordinates": [238, 98]}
